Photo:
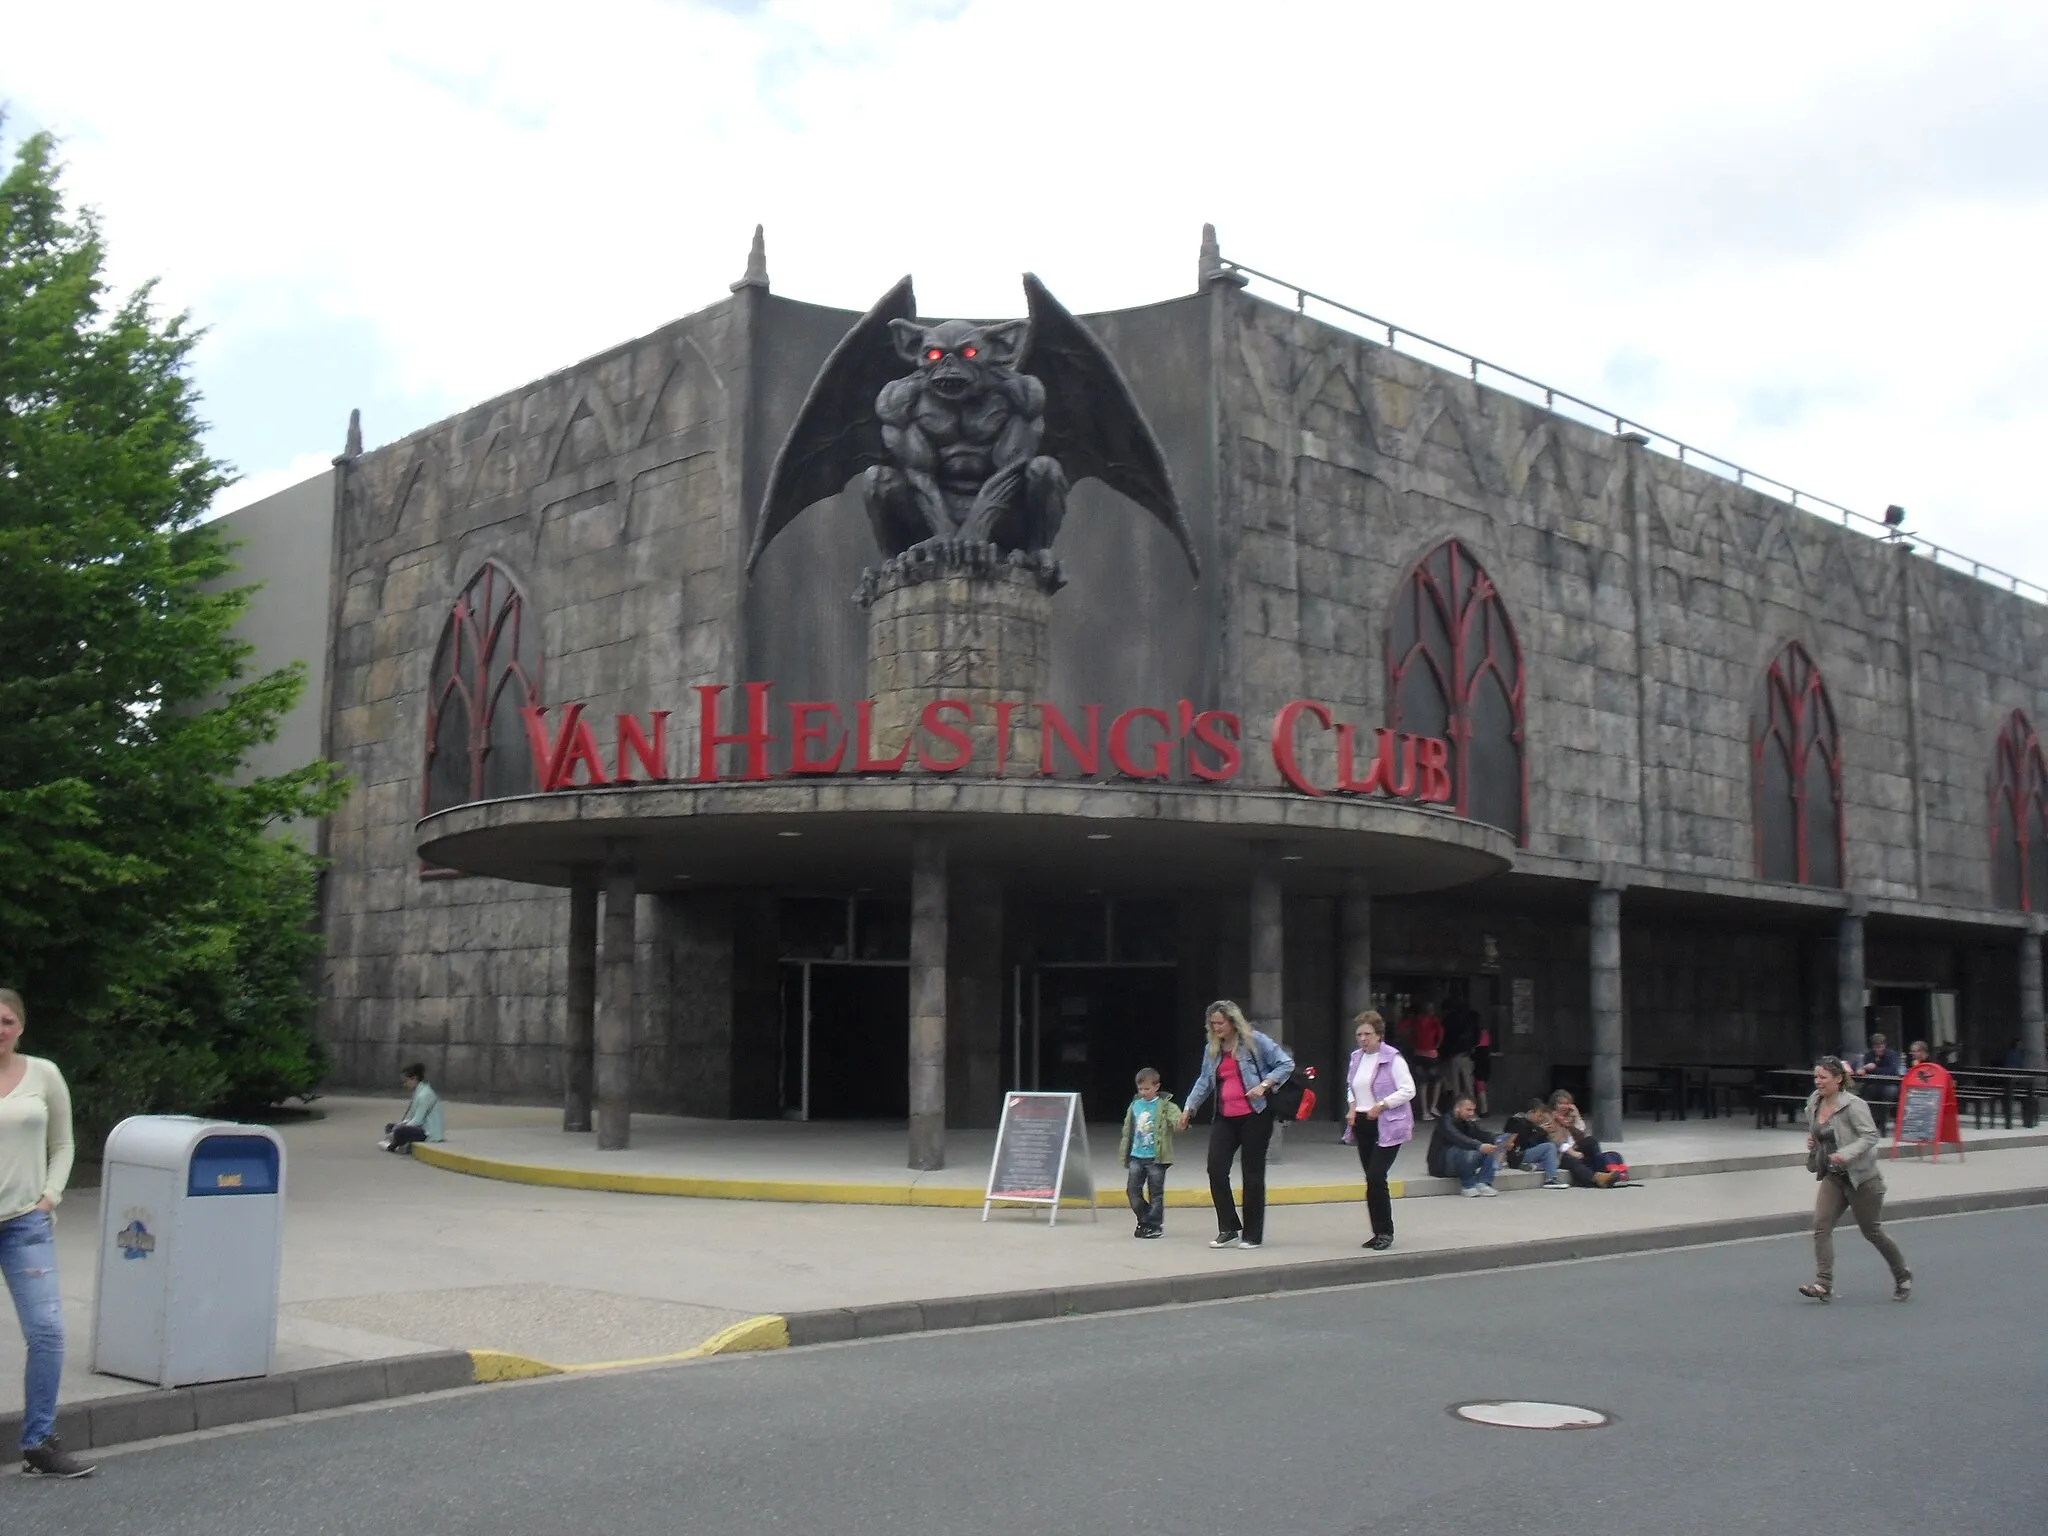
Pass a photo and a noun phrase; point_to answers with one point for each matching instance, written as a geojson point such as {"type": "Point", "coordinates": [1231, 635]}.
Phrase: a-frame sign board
{"type": "Point", "coordinates": [1041, 1155]}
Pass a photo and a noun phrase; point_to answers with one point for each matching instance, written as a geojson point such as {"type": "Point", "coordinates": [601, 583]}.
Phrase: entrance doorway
{"type": "Point", "coordinates": [845, 1041]}
{"type": "Point", "coordinates": [1096, 1026]}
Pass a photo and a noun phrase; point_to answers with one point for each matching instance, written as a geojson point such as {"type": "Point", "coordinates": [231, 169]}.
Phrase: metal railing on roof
{"type": "Point", "coordinates": [1564, 403]}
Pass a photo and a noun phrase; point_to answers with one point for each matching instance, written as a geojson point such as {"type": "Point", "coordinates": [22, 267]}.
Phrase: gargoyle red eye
{"type": "Point", "coordinates": [933, 354]}
{"type": "Point", "coordinates": [968, 351]}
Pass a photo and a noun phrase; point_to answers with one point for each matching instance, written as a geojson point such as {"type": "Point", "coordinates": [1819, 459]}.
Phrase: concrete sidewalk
{"type": "Point", "coordinates": [388, 1259]}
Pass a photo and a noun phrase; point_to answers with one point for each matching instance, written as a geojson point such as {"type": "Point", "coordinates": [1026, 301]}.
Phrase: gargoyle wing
{"type": "Point", "coordinates": [1092, 422]}
{"type": "Point", "coordinates": [836, 434]}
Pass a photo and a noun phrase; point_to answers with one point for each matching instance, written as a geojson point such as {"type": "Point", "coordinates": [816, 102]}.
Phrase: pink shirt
{"type": "Point", "coordinates": [1230, 1089]}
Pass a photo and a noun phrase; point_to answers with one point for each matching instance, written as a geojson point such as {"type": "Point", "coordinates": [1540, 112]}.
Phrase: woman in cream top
{"type": "Point", "coordinates": [35, 1164]}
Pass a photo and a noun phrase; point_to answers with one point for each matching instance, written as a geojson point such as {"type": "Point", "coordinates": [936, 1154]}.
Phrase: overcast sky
{"type": "Point", "coordinates": [1813, 238]}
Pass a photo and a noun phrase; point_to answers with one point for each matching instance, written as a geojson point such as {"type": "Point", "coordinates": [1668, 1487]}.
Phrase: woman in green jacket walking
{"type": "Point", "coordinates": [1841, 1151]}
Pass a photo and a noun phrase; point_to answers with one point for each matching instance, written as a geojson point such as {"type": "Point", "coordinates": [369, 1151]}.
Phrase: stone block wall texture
{"type": "Point", "coordinates": [608, 492]}
{"type": "Point", "coordinates": [1343, 463]}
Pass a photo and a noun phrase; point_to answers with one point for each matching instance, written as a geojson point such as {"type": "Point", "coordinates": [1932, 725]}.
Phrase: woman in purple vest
{"type": "Point", "coordinates": [1379, 1090]}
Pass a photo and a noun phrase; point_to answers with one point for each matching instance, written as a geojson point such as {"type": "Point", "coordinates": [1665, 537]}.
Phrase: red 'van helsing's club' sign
{"type": "Point", "coordinates": [1141, 744]}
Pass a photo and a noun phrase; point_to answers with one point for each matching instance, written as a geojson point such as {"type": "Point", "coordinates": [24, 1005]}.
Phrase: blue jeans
{"type": "Point", "coordinates": [28, 1258]}
{"type": "Point", "coordinates": [1542, 1158]}
{"type": "Point", "coordinates": [1146, 1188]}
{"type": "Point", "coordinates": [1472, 1168]}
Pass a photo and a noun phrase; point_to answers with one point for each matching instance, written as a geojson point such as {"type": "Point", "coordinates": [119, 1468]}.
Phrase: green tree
{"type": "Point", "coordinates": [162, 939]}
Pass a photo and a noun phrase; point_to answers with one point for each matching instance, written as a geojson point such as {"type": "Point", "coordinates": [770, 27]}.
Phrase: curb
{"type": "Point", "coordinates": [107, 1421]}
{"type": "Point", "coordinates": [841, 1324]}
{"type": "Point", "coordinates": [103, 1421]}
{"type": "Point", "coordinates": [962, 1197]}
{"type": "Point", "coordinates": [753, 1333]}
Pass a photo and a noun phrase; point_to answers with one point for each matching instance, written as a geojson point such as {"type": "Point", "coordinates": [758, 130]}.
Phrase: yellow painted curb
{"type": "Point", "coordinates": [489, 1365]}
{"type": "Point", "coordinates": [824, 1192]}
{"type": "Point", "coordinates": [754, 1333]}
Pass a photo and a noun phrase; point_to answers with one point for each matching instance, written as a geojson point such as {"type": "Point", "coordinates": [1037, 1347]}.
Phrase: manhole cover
{"type": "Point", "coordinates": [1519, 1414]}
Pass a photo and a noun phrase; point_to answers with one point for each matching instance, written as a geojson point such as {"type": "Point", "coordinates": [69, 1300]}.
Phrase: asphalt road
{"type": "Point", "coordinates": [1737, 1406]}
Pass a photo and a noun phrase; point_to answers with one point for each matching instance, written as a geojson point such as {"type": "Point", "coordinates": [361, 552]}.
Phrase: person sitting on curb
{"type": "Point", "coordinates": [1526, 1141]}
{"type": "Point", "coordinates": [422, 1120]}
{"type": "Point", "coordinates": [1580, 1154]}
{"type": "Point", "coordinates": [1460, 1148]}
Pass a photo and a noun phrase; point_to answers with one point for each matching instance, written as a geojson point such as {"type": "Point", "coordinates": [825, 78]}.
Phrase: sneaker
{"type": "Point", "coordinates": [1381, 1243]}
{"type": "Point", "coordinates": [1151, 1232]}
{"type": "Point", "coordinates": [1142, 1230]}
{"type": "Point", "coordinates": [1470, 1191]}
{"type": "Point", "coordinates": [385, 1144]}
{"type": "Point", "coordinates": [1485, 1191]}
{"type": "Point", "coordinates": [1247, 1244]}
{"type": "Point", "coordinates": [51, 1460]}
{"type": "Point", "coordinates": [1903, 1290]}
{"type": "Point", "coordinates": [1224, 1240]}
{"type": "Point", "coordinates": [1555, 1184]}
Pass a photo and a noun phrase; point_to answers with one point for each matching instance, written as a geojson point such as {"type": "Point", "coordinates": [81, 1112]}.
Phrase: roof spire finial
{"type": "Point", "coordinates": [352, 445]}
{"type": "Point", "coordinates": [756, 275]}
{"type": "Point", "coordinates": [1212, 268]}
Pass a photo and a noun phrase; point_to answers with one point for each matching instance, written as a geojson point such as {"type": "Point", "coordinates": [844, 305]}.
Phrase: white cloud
{"type": "Point", "coordinates": [1807, 238]}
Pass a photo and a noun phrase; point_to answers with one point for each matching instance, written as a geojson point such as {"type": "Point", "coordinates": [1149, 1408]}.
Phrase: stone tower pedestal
{"type": "Point", "coordinates": [959, 624]}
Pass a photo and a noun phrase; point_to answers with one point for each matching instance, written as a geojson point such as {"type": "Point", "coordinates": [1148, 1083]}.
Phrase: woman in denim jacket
{"type": "Point", "coordinates": [1240, 1066]}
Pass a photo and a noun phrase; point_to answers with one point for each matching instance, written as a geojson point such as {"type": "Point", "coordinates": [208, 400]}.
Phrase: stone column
{"type": "Point", "coordinates": [1266, 1005]}
{"type": "Point", "coordinates": [615, 1007]}
{"type": "Point", "coordinates": [2033, 1034]}
{"type": "Point", "coordinates": [1849, 976]}
{"type": "Point", "coordinates": [927, 1001]}
{"type": "Point", "coordinates": [579, 1032]}
{"type": "Point", "coordinates": [1354, 956]}
{"type": "Point", "coordinates": [1607, 1018]}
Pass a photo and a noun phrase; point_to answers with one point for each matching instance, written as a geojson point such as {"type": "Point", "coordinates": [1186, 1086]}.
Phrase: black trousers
{"type": "Point", "coordinates": [403, 1136]}
{"type": "Point", "coordinates": [1376, 1160]}
{"type": "Point", "coordinates": [1228, 1136]}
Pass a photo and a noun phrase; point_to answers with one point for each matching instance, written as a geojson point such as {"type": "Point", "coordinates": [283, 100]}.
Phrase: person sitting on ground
{"type": "Point", "coordinates": [1146, 1150]}
{"type": "Point", "coordinates": [422, 1120]}
{"type": "Point", "coordinates": [1526, 1141]}
{"type": "Point", "coordinates": [1461, 1148]}
{"type": "Point", "coordinates": [1579, 1153]}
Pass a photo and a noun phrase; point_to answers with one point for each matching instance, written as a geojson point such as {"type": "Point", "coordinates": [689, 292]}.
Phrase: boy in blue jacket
{"type": "Point", "coordinates": [1146, 1151]}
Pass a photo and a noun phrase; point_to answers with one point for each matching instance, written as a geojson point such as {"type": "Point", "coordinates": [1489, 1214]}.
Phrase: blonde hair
{"type": "Point", "coordinates": [1241, 1032]}
{"type": "Point", "coordinates": [9, 998]}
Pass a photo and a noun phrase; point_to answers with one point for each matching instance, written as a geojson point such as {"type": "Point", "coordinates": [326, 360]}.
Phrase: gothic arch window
{"type": "Point", "coordinates": [1454, 670]}
{"type": "Point", "coordinates": [487, 668]}
{"type": "Point", "coordinates": [2019, 819]}
{"type": "Point", "coordinates": [1797, 757]}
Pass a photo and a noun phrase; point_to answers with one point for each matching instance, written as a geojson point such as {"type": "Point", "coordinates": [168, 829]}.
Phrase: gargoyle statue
{"type": "Point", "coordinates": [970, 455]}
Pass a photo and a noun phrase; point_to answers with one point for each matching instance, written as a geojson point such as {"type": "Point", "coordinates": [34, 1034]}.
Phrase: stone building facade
{"type": "Point", "coordinates": [1728, 783]}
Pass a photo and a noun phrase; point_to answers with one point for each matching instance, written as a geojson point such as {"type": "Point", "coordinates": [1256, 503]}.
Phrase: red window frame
{"type": "Point", "coordinates": [1799, 719]}
{"type": "Point", "coordinates": [2019, 784]}
{"type": "Point", "coordinates": [1482, 640]}
{"type": "Point", "coordinates": [486, 653]}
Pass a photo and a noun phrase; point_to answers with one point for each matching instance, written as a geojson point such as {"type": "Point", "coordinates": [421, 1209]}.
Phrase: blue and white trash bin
{"type": "Point", "coordinates": [191, 1243]}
